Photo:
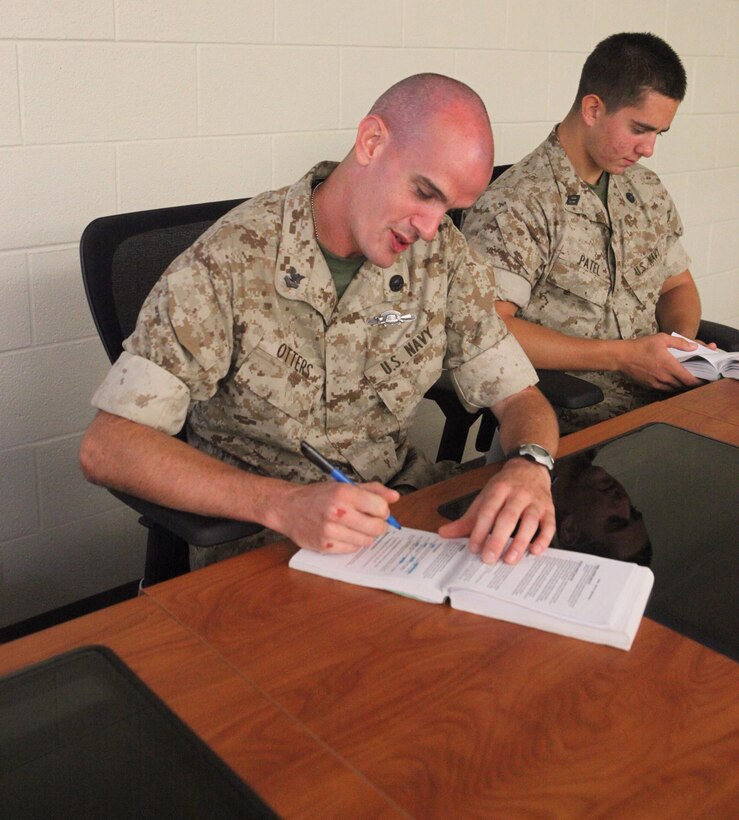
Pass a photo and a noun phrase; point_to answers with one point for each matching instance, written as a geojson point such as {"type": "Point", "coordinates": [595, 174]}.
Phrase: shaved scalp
{"type": "Point", "coordinates": [410, 107]}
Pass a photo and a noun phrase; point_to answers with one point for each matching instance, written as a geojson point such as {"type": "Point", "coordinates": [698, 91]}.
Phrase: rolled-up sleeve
{"type": "Point", "coordinates": [677, 260]}
{"type": "Point", "coordinates": [141, 391]}
{"type": "Point", "coordinates": [493, 375]}
{"type": "Point", "coordinates": [180, 348]}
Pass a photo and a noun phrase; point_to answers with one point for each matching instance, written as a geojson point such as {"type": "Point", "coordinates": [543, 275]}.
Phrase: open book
{"type": "Point", "coordinates": [582, 596]}
{"type": "Point", "coordinates": [706, 363]}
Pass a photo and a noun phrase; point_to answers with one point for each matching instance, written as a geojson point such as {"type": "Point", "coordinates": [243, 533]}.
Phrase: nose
{"type": "Point", "coordinates": [645, 148]}
{"type": "Point", "coordinates": [426, 222]}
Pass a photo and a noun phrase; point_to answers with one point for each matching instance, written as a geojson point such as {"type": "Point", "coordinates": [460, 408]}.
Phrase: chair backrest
{"type": "Point", "coordinates": [499, 170]}
{"type": "Point", "coordinates": [457, 214]}
{"type": "Point", "coordinates": [123, 255]}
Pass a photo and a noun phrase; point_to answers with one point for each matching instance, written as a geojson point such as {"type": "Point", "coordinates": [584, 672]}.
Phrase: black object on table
{"type": "Point", "coordinates": [664, 497]}
{"type": "Point", "coordinates": [82, 737]}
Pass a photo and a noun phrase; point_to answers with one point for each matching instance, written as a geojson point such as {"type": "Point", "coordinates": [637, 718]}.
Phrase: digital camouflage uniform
{"type": "Point", "coordinates": [567, 266]}
{"type": "Point", "coordinates": [244, 338]}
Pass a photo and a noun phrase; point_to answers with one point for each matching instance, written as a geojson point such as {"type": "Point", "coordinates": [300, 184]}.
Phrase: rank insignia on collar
{"type": "Point", "coordinates": [390, 317]}
{"type": "Point", "coordinates": [293, 278]}
{"type": "Point", "coordinates": [573, 199]}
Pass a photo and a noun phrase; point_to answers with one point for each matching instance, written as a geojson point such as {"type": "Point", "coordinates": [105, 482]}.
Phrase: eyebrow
{"type": "Point", "coordinates": [435, 190]}
{"type": "Point", "coordinates": [648, 127]}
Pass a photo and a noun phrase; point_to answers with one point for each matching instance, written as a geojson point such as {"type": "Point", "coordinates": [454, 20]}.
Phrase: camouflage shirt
{"type": "Point", "coordinates": [243, 337]}
{"type": "Point", "coordinates": [571, 266]}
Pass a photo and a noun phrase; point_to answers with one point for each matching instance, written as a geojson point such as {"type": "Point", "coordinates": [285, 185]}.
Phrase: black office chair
{"type": "Point", "coordinates": [725, 336]}
{"type": "Point", "coordinates": [561, 389]}
{"type": "Point", "coordinates": [122, 256]}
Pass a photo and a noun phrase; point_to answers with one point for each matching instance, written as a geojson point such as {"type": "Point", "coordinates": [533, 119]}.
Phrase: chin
{"type": "Point", "coordinates": [385, 259]}
{"type": "Point", "coordinates": [382, 261]}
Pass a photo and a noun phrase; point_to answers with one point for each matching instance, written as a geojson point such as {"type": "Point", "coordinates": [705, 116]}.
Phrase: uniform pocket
{"type": "Point", "coordinates": [291, 388]}
{"type": "Point", "coordinates": [586, 277]}
{"type": "Point", "coordinates": [402, 389]}
{"type": "Point", "coordinates": [645, 275]}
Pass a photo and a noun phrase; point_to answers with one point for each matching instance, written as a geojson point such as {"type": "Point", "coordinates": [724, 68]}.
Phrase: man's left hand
{"type": "Point", "coordinates": [518, 498]}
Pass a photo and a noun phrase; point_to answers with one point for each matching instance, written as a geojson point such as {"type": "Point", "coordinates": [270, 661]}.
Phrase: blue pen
{"type": "Point", "coordinates": [324, 464]}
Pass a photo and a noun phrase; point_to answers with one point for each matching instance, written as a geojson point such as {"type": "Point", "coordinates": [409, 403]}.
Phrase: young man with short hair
{"type": "Point", "coordinates": [585, 241]}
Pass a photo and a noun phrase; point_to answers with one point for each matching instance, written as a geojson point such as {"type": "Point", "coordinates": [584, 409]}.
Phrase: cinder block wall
{"type": "Point", "coordinates": [115, 105]}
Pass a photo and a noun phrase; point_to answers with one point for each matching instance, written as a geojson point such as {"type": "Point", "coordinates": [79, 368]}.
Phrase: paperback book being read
{"type": "Point", "coordinates": [583, 596]}
{"type": "Point", "coordinates": [706, 363]}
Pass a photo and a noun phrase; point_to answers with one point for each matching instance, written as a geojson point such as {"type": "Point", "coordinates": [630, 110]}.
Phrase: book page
{"type": "Point", "coordinates": [409, 552]}
{"type": "Point", "coordinates": [700, 351]}
{"type": "Point", "coordinates": [404, 560]}
{"type": "Point", "coordinates": [729, 368]}
{"type": "Point", "coordinates": [706, 363]}
{"type": "Point", "coordinates": [577, 587]}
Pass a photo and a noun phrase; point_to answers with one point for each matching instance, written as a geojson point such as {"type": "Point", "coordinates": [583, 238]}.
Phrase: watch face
{"type": "Point", "coordinates": [537, 453]}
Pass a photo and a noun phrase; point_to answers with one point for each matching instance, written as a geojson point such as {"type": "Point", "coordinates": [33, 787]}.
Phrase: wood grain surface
{"type": "Point", "coordinates": [292, 770]}
{"type": "Point", "coordinates": [456, 715]}
{"type": "Point", "coordinates": [333, 700]}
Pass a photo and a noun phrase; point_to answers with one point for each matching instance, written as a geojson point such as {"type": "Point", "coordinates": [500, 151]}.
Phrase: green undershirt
{"type": "Point", "coordinates": [343, 269]}
{"type": "Point", "coordinates": [601, 189]}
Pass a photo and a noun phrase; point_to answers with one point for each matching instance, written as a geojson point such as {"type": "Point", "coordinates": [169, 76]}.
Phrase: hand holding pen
{"type": "Point", "coordinates": [324, 464]}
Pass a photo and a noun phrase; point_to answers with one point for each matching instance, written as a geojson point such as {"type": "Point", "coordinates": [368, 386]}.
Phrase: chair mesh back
{"type": "Point", "coordinates": [123, 255]}
{"type": "Point", "coordinates": [140, 260]}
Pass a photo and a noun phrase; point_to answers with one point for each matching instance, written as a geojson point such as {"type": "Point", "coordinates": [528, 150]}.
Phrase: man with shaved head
{"type": "Point", "coordinates": [323, 312]}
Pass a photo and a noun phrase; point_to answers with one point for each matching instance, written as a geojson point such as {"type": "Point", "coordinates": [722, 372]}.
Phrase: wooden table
{"type": "Point", "coordinates": [337, 701]}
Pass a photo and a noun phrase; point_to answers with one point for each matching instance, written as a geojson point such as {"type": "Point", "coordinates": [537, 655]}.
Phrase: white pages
{"type": "Point", "coordinates": [582, 596]}
{"type": "Point", "coordinates": [706, 363]}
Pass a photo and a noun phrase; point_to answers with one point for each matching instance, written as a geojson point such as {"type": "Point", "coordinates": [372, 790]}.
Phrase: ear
{"type": "Point", "coordinates": [592, 108]}
{"type": "Point", "coordinates": [372, 136]}
{"type": "Point", "coordinates": [568, 531]}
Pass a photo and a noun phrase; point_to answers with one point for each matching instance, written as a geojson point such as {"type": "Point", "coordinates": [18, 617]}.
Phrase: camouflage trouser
{"type": "Point", "coordinates": [417, 472]}
{"type": "Point", "coordinates": [621, 395]}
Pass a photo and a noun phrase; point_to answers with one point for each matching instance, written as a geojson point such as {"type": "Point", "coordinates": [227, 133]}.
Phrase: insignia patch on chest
{"type": "Point", "coordinates": [573, 199]}
{"type": "Point", "coordinates": [293, 278]}
{"type": "Point", "coordinates": [390, 317]}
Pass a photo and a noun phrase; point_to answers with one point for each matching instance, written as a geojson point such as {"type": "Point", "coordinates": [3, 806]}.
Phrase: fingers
{"type": "Point", "coordinates": [337, 518]}
{"type": "Point", "coordinates": [652, 364]}
{"type": "Point", "coordinates": [518, 509]}
{"type": "Point", "coordinates": [390, 496]}
{"type": "Point", "coordinates": [523, 525]}
{"type": "Point", "coordinates": [675, 377]}
{"type": "Point", "coordinates": [679, 342]}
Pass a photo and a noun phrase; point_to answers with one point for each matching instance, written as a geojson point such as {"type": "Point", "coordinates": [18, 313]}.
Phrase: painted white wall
{"type": "Point", "coordinates": [116, 105]}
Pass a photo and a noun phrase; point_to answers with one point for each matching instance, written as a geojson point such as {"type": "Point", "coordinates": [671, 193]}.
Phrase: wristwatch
{"type": "Point", "coordinates": [535, 453]}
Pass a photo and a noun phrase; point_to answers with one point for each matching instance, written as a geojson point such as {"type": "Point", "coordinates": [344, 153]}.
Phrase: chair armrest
{"type": "Point", "coordinates": [726, 337]}
{"type": "Point", "coordinates": [560, 388]}
{"type": "Point", "coordinates": [443, 393]}
{"type": "Point", "coordinates": [198, 530]}
{"type": "Point", "coordinates": [567, 391]}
